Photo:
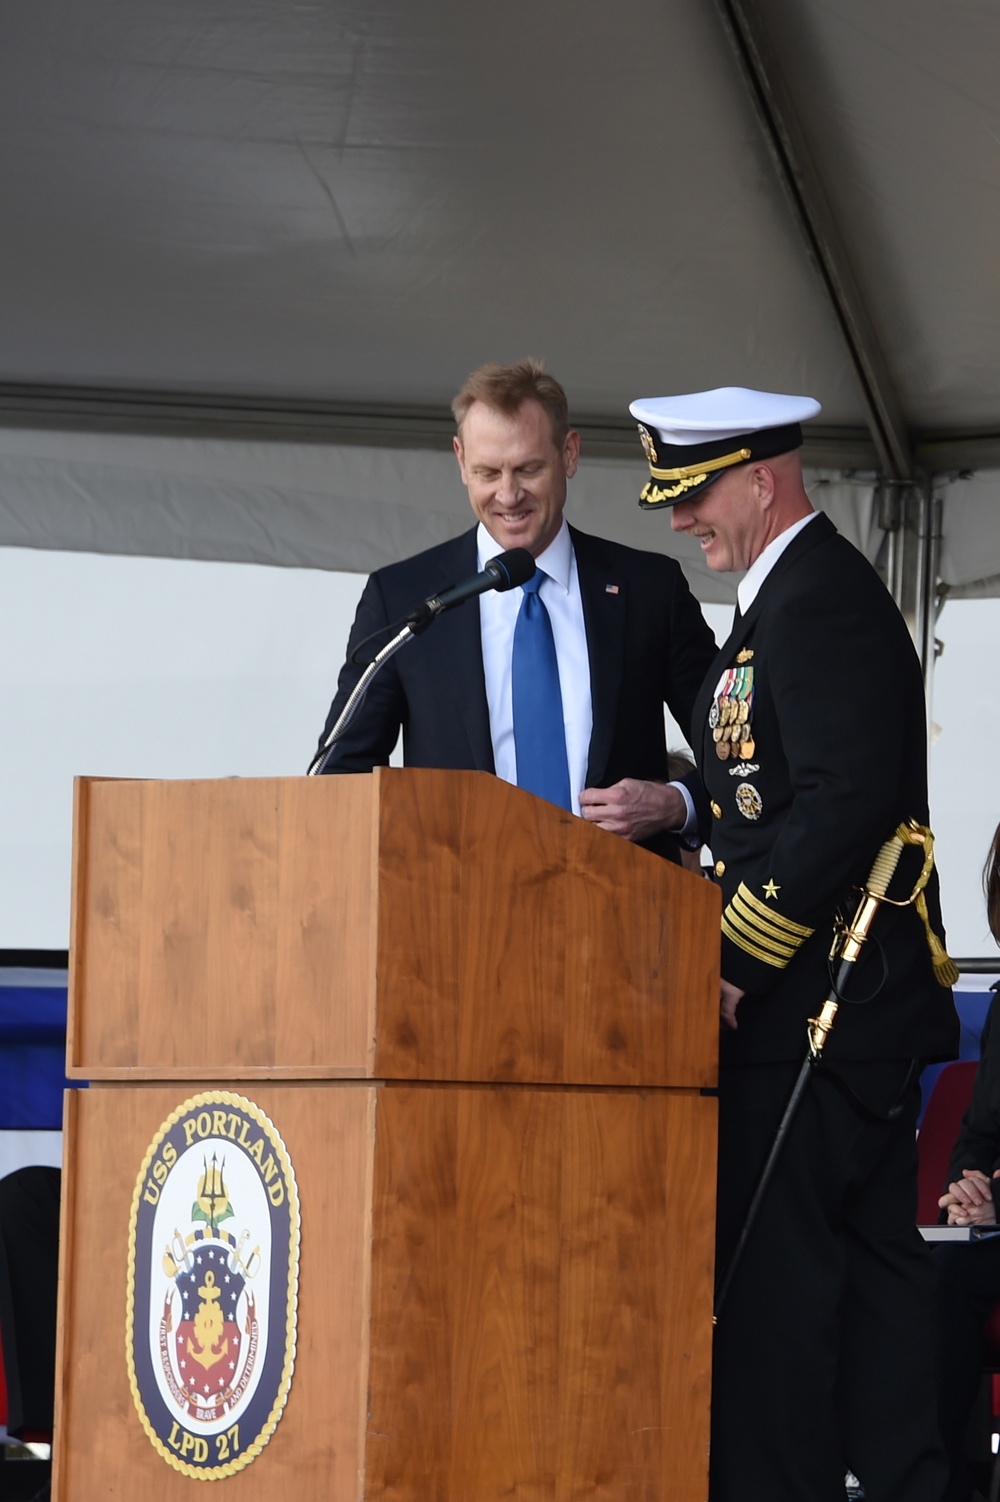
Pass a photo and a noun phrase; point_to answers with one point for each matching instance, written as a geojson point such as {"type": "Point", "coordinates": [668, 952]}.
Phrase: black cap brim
{"type": "Point", "coordinates": [676, 475]}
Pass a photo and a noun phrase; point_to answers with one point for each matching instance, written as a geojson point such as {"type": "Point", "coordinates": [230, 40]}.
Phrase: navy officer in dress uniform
{"type": "Point", "coordinates": [810, 736]}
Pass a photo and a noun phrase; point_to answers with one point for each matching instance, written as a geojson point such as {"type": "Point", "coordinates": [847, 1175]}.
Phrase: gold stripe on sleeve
{"type": "Point", "coordinates": [762, 932]}
{"type": "Point", "coordinates": [748, 934]}
{"type": "Point", "coordinates": [771, 916]}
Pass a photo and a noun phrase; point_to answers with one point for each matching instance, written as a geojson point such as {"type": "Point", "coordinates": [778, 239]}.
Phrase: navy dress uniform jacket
{"type": "Point", "coordinates": [838, 762]}
{"type": "Point", "coordinates": [647, 642]}
{"type": "Point", "coordinates": [822, 1354]}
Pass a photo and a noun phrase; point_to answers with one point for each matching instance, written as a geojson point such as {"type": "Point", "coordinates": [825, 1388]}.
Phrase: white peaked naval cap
{"type": "Point", "coordinates": [689, 441]}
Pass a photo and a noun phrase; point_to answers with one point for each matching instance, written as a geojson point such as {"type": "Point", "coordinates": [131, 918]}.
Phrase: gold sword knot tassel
{"type": "Point", "coordinates": [945, 969]}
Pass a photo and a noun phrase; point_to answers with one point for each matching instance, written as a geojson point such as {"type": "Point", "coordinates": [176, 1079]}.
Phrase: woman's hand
{"type": "Point", "coordinates": [969, 1200]}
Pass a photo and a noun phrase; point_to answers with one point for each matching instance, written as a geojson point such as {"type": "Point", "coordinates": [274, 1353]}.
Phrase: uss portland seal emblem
{"type": "Point", "coordinates": [212, 1285]}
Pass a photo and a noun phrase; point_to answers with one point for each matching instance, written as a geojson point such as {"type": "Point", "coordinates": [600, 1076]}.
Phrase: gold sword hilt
{"type": "Point", "coordinates": [872, 894]}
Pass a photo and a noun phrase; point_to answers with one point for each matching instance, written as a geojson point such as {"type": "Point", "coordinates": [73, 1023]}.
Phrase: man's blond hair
{"type": "Point", "coordinates": [506, 388]}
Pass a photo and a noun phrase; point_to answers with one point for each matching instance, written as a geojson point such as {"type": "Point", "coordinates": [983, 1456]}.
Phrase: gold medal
{"type": "Point", "coordinates": [747, 749]}
{"type": "Point", "coordinates": [722, 750]}
{"type": "Point", "coordinates": [744, 712]}
{"type": "Point", "coordinates": [718, 733]}
{"type": "Point", "coordinates": [735, 731]}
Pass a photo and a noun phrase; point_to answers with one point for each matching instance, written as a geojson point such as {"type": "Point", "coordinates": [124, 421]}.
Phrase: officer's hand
{"type": "Point", "coordinates": [635, 810]}
{"type": "Point", "coordinates": [731, 998]}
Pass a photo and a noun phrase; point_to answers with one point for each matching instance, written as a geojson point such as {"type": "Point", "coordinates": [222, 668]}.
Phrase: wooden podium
{"type": "Point", "coordinates": [483, 1029]}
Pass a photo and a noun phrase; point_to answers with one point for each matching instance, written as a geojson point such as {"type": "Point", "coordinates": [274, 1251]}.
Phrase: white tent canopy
{"type": "Point", "coordinates": [251, 250]}
{"type": "Point", "coordinates": [340, 507]}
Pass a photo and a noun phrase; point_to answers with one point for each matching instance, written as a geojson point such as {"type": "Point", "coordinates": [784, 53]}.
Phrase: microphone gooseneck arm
{"type": "Point", "coordinates": [504, 572]}
{"type": "Point", "coordinates": [356, 699]}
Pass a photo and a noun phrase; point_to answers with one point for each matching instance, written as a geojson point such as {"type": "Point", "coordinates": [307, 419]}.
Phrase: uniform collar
{"type": "Point", "coordinates": [750, 584]}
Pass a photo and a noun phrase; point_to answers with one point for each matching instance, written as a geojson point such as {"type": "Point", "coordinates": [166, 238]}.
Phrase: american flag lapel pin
{"type": "Point", "coordinates": [611, 589]}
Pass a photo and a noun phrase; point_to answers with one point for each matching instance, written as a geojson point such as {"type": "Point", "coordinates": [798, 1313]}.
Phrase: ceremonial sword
{"type": "Point", "coordinates": [847, 947]}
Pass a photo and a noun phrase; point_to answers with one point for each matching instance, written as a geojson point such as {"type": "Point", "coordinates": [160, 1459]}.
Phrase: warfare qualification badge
{"type": "Point", "coordinates": [749, 801]}
{"type": "Point", "coordinates": [212, 1290]}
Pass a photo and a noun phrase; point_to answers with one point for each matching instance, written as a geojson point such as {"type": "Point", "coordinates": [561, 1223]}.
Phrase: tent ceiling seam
{"type": "Point", "coordinates": [810, 207]}
{"type": "Point", "coordinates": [272, 420]}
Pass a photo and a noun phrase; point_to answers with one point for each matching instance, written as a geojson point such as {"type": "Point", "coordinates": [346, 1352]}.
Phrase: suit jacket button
{"type": "Point", "coordinates": [720, 868]}
{"type": "Point", "coordinates": [716, 810]}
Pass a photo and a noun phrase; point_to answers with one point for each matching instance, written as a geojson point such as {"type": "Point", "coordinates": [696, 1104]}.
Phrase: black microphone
{"type": "Point", "coordinates": [504, 572]}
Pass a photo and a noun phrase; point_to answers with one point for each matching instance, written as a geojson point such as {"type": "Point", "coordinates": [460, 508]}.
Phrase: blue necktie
{"type": "Point", "coordinates": [539, 735]}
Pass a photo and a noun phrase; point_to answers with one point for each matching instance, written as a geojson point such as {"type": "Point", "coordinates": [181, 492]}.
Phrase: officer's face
{"type": "Point", "coordinates": [516, 473]}
{"type": "Point", "coordinates": [727, 519]}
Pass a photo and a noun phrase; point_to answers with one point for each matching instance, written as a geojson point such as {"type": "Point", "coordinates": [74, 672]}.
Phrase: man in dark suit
{"type": "Point", "coordinates": [628, 635]}
{"type": "Point", "coordinates": [810, 736]}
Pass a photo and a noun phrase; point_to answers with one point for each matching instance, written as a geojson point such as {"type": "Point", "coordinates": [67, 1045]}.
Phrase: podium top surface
{"type": "Point", "coordinates": [404, 925]}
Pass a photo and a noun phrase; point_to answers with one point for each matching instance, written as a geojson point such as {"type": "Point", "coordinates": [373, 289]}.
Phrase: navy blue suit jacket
{"type": "Point", "coordinates": [647, 641]}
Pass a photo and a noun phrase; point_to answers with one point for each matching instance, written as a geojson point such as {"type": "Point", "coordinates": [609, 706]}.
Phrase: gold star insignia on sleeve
{"type": "Point", "coordinates": [771, 890]}
{"type": "Point", "coordinates": [760, 930]}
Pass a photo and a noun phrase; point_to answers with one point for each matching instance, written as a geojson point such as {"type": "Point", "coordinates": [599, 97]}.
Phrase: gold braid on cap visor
{"type": "Point", "coordinates": [688, 476]}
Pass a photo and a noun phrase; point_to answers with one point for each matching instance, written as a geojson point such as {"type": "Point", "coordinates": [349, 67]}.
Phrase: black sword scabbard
{"type": "Point", "coordinates": [819, 1029]}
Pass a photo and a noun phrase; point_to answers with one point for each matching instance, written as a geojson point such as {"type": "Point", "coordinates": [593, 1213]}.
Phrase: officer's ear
{"type": "Point", "coordinates": [762, 485]}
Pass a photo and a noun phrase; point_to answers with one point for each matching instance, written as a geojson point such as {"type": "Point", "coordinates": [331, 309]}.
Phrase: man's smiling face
{"type": "Point", "coordinates": [516, 473]}
{"type": "Point", "coordinates": [726, 520]}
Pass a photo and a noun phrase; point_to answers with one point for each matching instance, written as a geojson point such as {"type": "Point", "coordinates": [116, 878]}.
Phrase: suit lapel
{"type": "Point", "coordinates": [459, 653]}
{"type": "Point", "coordinates": [604, 614]}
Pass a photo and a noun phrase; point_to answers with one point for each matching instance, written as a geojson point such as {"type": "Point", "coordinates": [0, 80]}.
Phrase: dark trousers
{"type": "Point", "coordinates": [967, 1284]}
{"type": "Point", "coordinates": [823, 1350]}
{"type": "Point", "coordinates": [29, 1263]}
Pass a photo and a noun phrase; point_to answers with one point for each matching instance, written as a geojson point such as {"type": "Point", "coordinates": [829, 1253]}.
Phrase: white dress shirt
{"type": "Point", "coordinates": [749, 585]}
{"type": "Point", "coordinates": [560, 591]}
